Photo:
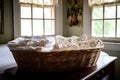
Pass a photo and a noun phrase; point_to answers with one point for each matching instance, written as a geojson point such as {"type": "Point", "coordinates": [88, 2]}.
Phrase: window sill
{"type": "Point", "coordinates": [112, 46]}
{"type": "Point", "coordinates": [112, 43]}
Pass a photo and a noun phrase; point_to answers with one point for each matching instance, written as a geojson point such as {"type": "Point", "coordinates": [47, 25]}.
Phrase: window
{"type": "Point", "coordinates": [56, 18]}
{"type": "Point", "coordinates": [37, 20]}
{"type": "Point", "coordinates": [106, 21]}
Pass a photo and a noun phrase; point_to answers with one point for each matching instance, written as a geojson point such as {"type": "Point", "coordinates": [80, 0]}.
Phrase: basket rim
{"type": "Point", "coordinates": [57, 50]}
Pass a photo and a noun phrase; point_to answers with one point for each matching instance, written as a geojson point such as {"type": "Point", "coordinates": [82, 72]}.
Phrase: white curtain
{"type": "Point", "coordinates": [100, 2]}
{"type": "Point", "coordinates": [42, 3]}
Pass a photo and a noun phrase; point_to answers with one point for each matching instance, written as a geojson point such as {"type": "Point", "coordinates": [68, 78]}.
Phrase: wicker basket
{"type": "Point", "coordinates": [36, 61]}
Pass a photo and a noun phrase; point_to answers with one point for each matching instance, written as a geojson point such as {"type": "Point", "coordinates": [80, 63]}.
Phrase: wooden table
{"type": "Point", "coordinates": [105, 68]}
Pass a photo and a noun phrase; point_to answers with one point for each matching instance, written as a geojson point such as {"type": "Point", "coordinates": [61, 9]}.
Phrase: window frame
{"type": "Point", "coordinates": [106, 39]}
{"type": "Point", "coordinates": [43, 19]}
{"type": "Point", "coordinates": [58, 22]}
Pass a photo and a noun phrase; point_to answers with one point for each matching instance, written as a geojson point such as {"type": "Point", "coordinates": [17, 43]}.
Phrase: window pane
{"type": "Point", "coordinates": [97, 12]}
{"type": "Point", "coordinates": [25, 1]}
{"type": "Point", "coordinates": [25, 11]}
{"type": "Point", "coordinates": [118, 10]}
{"type": "Point", "coordinates": [49, 27]}
{"type": "Point", "coordinates": [38, 1]}
{"type": "Point", "coordinates": [118, 28]}
{"type": "Point", "coordinates": [37, 12]}
{"type": "Point", "coordinates": [110, 11]}
{"type": "Point", "coordinates": [97, 28]}
{"type": "Point", "coordinates": [26, 27]}
{"type": "Point", "coordinates": [37, 27]}
{"type": "Point", "coordinates": [48, 2]}
{"type": "Point", "coordinates": [49, 13]}
{"type": "Point", "coordinates": [109, 28]}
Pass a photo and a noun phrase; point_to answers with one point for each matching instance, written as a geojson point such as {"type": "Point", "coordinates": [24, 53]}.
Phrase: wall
{"type": "Point", "coordinates": [65, 30]}
{"type": "Point", "coordinates": [8, 28]}
{"type": "Point", "coordinates": [86, 18]}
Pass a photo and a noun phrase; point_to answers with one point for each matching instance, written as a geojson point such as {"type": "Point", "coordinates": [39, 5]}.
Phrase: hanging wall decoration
{"type": "Point", "coordinates": [74, 12]}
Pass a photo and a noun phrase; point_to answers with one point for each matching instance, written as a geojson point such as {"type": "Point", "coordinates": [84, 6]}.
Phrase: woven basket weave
{"type": "Point", "coordinates": [36, 61]}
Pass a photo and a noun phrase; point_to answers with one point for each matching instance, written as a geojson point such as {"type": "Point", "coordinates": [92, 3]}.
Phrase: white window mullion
{"type": "Point", "coordinates": [31, 20]}
{"type": "Point", "coordinates": [103, 19]}
{"type": "Point", "coordinates": [43, 21]}
{"type": "Point", "coordinates": [116, 23]}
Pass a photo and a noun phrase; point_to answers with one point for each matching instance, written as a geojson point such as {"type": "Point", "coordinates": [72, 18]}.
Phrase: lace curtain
{"type": "Point", "coordinates": [100, 2]}
{"type": "Point", "coordinates": [42, 3]}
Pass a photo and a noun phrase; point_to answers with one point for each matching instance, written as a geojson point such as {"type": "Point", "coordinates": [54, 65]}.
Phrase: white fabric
{"type": "Point", "coordinates": [42, 3]}
{"type": "Point", "coordinates": [81, 42]}
{"type": "Point", "coordinates": [99, 2]}
{"type": "Point", "coordinates": [7, 60]}
{"type": "Point", "coordinates": [58, 42]}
